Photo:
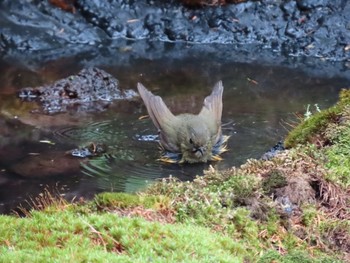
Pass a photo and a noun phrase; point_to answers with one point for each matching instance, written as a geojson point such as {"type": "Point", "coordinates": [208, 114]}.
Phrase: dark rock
{"type": "Point", "coordinates": [135, 29]}
{"type": "Point", "coordinates": [311, 4]}
{"type": "Point", "coordinates": [176, 30]}
{"type": "Point", "coordinates": [273, 151]}
{"type": "Point", "coordinates": [91, 89]}
{"type": "Point", "coordinates": [154, 25]}
{"type": "Point", "coordinates": [91, 150]}
{"type": "Point", "coordinates": [288, 8]}
{"type": "Point", "coordinates": [294, 32]}
{"type": "Point", "coordinates": [37, 25]}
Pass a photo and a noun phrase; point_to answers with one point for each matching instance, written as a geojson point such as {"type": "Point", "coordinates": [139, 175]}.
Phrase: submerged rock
{"type": "Point", "coordinates": [91, 150]}
{"type": "Point", "coordinates": [91, 89]}
{"type": "Point", "coordinates": [46, 165]}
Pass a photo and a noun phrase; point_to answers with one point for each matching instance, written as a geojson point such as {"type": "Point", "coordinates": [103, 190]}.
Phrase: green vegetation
{"type": "Point", "coordinates": [123, 200]}
{"type": "Point", "coordinates": [313, 129]}
{"type": "Point", "coordinates": [292, 208]}
{"type": "Point", "coordinates": [70, 237]}
{"type": "Point", "coordinates": [330, 130]}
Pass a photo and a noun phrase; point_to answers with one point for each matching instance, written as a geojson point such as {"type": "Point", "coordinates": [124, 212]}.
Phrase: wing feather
{"type": "Point", "coordinates": [162, 118]}
{"type": "Point", "coordinates": [213, 103]}
{"type": "Point", "coordinates": [212, 109]}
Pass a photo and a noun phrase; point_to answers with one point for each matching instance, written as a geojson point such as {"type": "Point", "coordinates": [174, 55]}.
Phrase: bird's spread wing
{"type": "Point", "coordinates": [162, 118]}
{"type": "Point", "coordinates": [212, 109]}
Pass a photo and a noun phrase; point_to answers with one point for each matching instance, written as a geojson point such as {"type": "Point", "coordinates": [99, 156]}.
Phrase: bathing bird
{"type": "Point", "coordinates": [187, 137]}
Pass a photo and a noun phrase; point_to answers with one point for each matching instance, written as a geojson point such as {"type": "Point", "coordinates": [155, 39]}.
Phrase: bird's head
{"type": "Point", "coordinates": [196, 142]}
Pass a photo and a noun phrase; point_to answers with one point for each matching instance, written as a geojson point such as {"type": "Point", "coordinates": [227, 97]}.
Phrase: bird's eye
{"type": "Point", "coordinates": [191, 142]}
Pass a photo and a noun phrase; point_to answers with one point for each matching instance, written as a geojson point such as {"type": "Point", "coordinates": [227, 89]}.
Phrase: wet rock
{"type": "Point", "coordinates": [294, 32]}
{"type": "Point", "coordinates": [91, 89]}
{"type": "Point", "coordinates": [273, 151]}
{"type": "Point", "coordinates": [135, 29]}
{"type": "Point", "coordinates": [154, 24]}
{"type": "Point", "coordinates": [91, 150]}
{"type": "Point", "coordinates": [37, 25]}
{"type": "Point", "coordinates": [176, 30]}
{"type": "Point", "coordinates": [310, 4]}
{"type": "Point", "coordinates": [289, 8]}
{"type": "Point", "coordinates": [284, 26]}
{"type": "Point", "coordinates": [147, 138]}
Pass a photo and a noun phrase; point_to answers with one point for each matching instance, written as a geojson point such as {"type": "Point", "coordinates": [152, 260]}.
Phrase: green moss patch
{"type": "Point", "coordinates": [69, 237]}
{"type": "Point", "coordinates": [124, 200]}
{"type": "Point", "coordinates": [313, 128]}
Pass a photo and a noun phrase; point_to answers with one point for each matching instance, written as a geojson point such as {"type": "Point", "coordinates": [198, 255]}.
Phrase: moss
{"type": "Point", "coordinates": [309, 215]}
{"type": "Point", "coordinates": [308, 130]}
{"type": "Point", "coordinates": [245, 228]}
{"type": "Point", "coordinates": [338, 152]}
{"type": "Point", "coordinates": [125, 200]}
{"type": "Point", "coordinates": [313, 128]}
{"type": "Point", "coordinates": [339, 164]}
{"type": "Point", "coordinates": [344, 97]}
{"type": "Point", "coordinates": [69, 237]}
{"type": "Point", "coordinates": [275, 179]}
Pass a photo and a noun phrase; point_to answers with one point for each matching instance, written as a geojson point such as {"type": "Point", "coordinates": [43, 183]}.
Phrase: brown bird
{"type": "Point", "coordinates": [188, 137]}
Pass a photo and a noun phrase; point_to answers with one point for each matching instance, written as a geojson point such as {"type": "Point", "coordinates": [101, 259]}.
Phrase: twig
{"type": "Point", "coordinates": [93, 230]}
{"type": "Point", "coordinates": [117, 244]}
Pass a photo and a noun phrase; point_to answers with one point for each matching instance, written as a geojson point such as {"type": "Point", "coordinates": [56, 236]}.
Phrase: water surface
{"type": "Point", "coordinates": [259, 103]}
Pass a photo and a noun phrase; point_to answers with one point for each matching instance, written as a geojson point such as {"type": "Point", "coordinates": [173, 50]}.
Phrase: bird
{"type": "Point", "coordinates": [187, 137]}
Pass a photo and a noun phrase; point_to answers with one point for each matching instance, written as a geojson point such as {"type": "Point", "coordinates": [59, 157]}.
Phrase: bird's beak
{"type": "Point", "coordinates": [199, 151]}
